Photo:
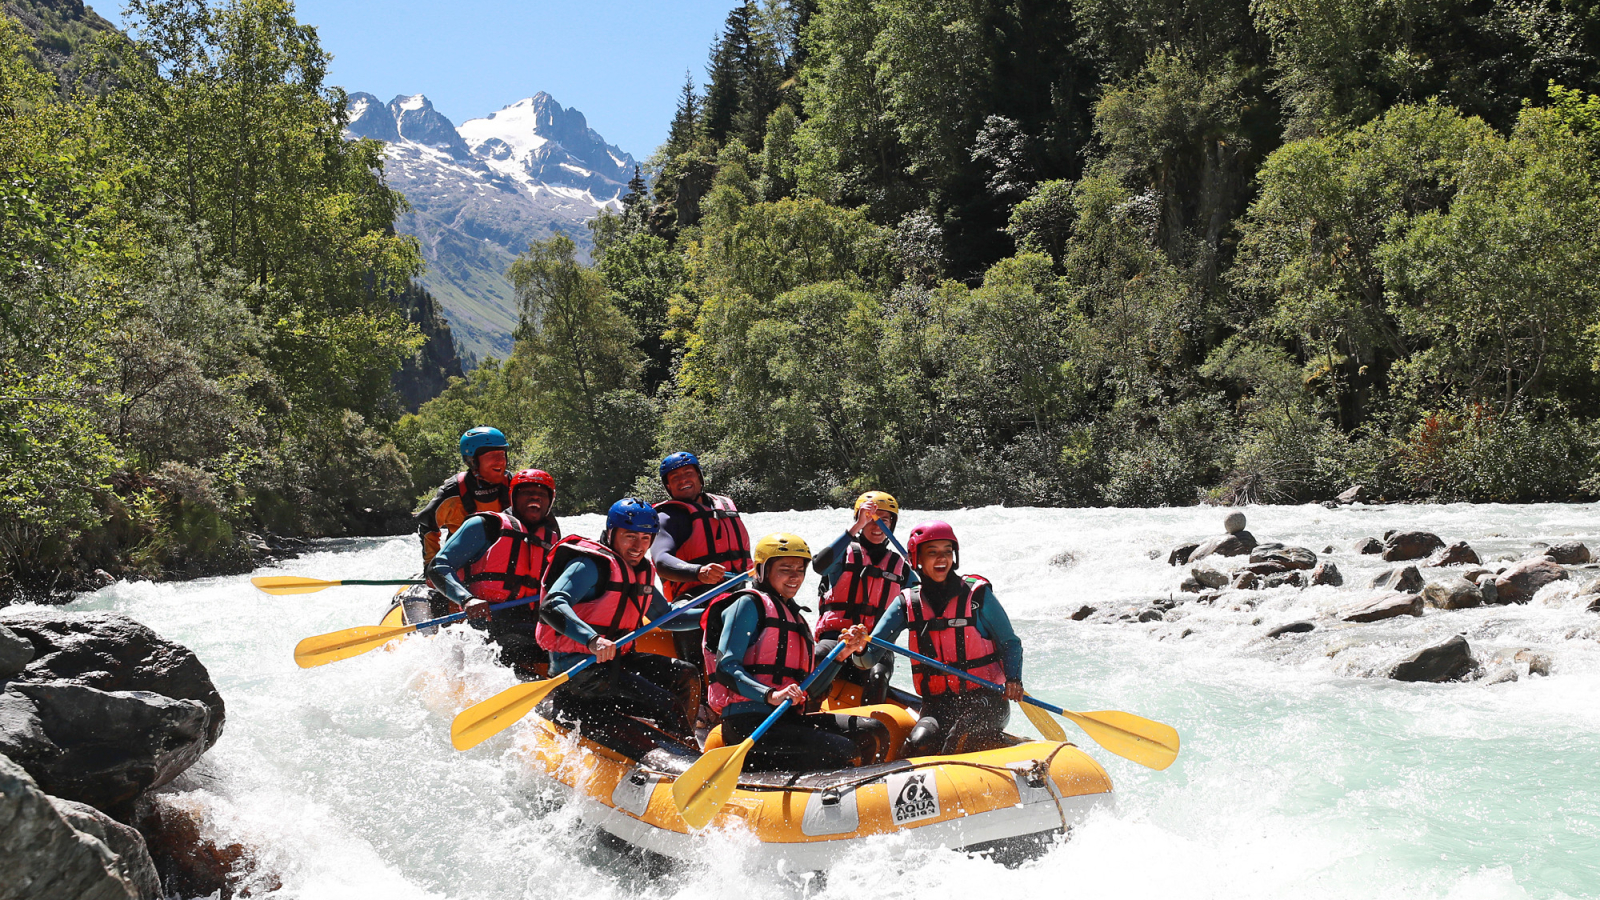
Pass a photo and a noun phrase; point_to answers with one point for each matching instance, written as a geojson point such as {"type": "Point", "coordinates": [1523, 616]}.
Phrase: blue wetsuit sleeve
{"type": "Point", "coordinates": [674, 530]}
{"type": "Point", "coordinates": [739, 622]}
{"type": "Point", "coordinates": [994, 624]}
{"type": "Point", "coordinates": [889, 628]}
{"type": "Point", "coordinates": [829, 562]}
{"type": "Point", "coordinates": [575, 584]}
{"type": "Point", "coordinates": [464, 547]}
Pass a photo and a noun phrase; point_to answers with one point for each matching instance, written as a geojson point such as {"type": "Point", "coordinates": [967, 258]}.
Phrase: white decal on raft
{"type": "Point", "coordinates": [914, 796]}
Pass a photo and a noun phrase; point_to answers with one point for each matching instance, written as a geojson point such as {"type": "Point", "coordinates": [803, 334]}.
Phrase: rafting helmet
{"type": "Point", "coordinates": [631, 514]}
{"type": "Point", "coordinates": [934, 530]}
{"type": "Point", "coordinates": [886, 503]}
{"type": "Point", "coordinates": [479, 439]}
{"type": "Point", "coordinates": [534, 476]}
{"type": "Point", "coordinates": [779, 544]}
{"type": "Point", "coordinates": [679, 460]}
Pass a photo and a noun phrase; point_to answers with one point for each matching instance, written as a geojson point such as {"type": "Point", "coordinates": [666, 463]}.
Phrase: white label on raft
{"type": "Point", "coordinates": [913, 796]}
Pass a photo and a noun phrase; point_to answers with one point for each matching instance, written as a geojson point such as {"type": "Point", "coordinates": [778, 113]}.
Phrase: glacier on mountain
{"type": "Point", "coordinates": [482, 192]}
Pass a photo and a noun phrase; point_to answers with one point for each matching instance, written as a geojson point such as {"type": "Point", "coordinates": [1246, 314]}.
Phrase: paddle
{"type": "Point", "coordinates": [1049, 728]}
{"type": "Point", "coordinates": [294, 584]}
{"type": "Point", "coordinates": [337, 645]}
{"type": "Point", "coordinates": [485, 719]}
{"type": "Point", "coordinates": [1147, 743]}
{"type": "Point", "coordinates": [705, 788]}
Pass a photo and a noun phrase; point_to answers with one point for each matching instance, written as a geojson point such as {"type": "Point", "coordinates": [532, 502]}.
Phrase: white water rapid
{"type": "Point", "coordinates": [1302, 775]}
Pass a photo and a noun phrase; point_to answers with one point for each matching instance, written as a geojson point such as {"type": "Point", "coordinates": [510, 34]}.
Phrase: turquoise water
{"type": "Point", "coordinates": [1301, 775]}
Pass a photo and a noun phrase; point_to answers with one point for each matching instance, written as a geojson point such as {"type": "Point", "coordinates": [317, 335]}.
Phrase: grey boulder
{"type": "Point", "coordinates": [15, 653]}
{"type": "Point", "coordinates": [1369, 546]}
{"type": "Point", "coordinates": [1287, 557]}
{"type": "Point", "coordinates": [1406, 578]}
{"type": "Point", "coordinates": [45, 857]}
{"type": "Point", "coordinates": [1567, 553]}
{"type": "Point", "coordinates": [1452, 593]}
{"type": "Point", "coordinates": [1387, 606]}
{"type": "Point", "coordinates": [1451, 660]}
{"type": "Point", "coordinates": [133, 857]}
{"type": "Point", "coordinates": [1459, 553]}
{"type": "Point", "coordinates": [1237, 544]}
{"type": "Point", "coordinates": [1327, 573]}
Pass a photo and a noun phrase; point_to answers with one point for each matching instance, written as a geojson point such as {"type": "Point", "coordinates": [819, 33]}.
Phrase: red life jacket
{"type": "Point", "coordinates": [862, 592]}
{"type": "Point", "coordinates": [621, 596]}
{"type": "Point", "coordinates": [951, 636]}
{"type": "Point", "coordinates": [779, 654]}
{"type": "Point", "coordinates": [716, 535]}
{"type": "Point", "coordinates": [512, 566]}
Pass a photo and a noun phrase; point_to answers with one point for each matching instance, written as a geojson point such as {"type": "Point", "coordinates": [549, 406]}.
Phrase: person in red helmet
{"type": "Point", "coordinates": [498, 556]}
{"type": "Point", "coordinates": [956, 620]}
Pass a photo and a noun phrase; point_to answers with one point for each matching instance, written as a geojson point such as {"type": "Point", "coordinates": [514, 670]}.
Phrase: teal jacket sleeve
{"type": "Point", "coordinates": [994, 624]}
{"type": "Point", "coordinates": [888, 630]}
{"type": "Point", "coordinates": [469, 542]}
{"type": "Point", "coordinates": [575, 584]}
{"type": "Point", "coordinates": [739, 621]}
{"type": "Point", "coordinates": [659, 607]}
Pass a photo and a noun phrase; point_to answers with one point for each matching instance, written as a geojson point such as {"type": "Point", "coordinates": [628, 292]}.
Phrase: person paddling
{"type": "Point", "coordinates": [483, 487]}
{"type": "Point", "coordinates": [598, 591]}
{"type": "Point", "coordinates": [861, 575]}
{"type": "Point", "coordinates": [497, 556]}
{"type": "Point", "coordinates": [758, 648]}
{"type": "Point", "coordinates": [956, 620]}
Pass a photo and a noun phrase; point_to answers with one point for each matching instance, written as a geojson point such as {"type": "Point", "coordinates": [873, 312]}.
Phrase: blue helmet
{"type": "Point", "coordinates": [481, 438]}
{"type": "Point", "coordinates": [679, 460]}
{"type": "Point", "coordinates": [632, 515]}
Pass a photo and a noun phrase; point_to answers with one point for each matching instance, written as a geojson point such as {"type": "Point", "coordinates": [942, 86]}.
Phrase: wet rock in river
{"type": "Point", "coordinates": [1452, 593]}
{"type": "Point", "coordinates": [1537, 663]}
{"type": "Point", "coordinates": [45, 857]}
{"type": "Point", "coordinates": [1521, 581]}
{"type": "Point", "coordinates": [1238, 544]}
{"type": "Point", "coordinates": [133, 857]}
{"type": "Point", "coordinates": [192, 865]}
{"type": "Point", "coordinates": [1451, 660]}
{"type": "Point", "coordinates": [1403, 545]}
{"type": "Point", "coordinates": [1233, 523]}
{"type": "Point", "coordinates": [1296, 578]}
{"type": "Point", "coordinates": [1191, 585]}
{"type": "Point", "coordinates": [1387, 606]}
{"type": "Point", "coordinates": [1355, 494]}
{"type": "Point", "coordinates": [1456, 554]}
{"type": "Point", "coordinates": [1180, 554]}
{"type": "Point", "coordinates": [1152, 615]}
{"type": "Point", "coordinates": [1265, 568]}
{"type": "Point", "coordinates": [1594, 605]}
{"type": "Point", "coordinates": [1246, 580]}
{"type": "Point", "coordinates": [1567, 553]}
{"type": "Point", "coordinates": [1209, 577]}
{"type": "Point", "coordinates": [1291, 628]}
{"type": "Point", "coordinates": [1327, 573]}
{"type": "Point", "coordinates": [1400, 578]}
{"type": "Point", "coordinates": [1083, 612]}
{"type": "Point", "coordinates": [15, 653]}
{"type": "Point", "coordinates": [1476, 575]}
{"type": "Point", "coordinates": [1369, 546]}
{"type": "Point", "coordinates": [1287, 557]}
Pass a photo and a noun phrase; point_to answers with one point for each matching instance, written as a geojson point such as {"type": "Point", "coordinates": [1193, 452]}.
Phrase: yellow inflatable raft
{"type": "Point", "coordinates": [1011, 800]}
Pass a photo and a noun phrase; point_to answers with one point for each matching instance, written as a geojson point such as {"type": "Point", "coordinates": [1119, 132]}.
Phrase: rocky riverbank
{"type": "Point", "coordinates": [97, 714]}
{"type": "Point", "coordinates": [1301, 603]}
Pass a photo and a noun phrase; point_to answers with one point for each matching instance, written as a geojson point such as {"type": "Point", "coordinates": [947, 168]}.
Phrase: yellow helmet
{"type": "Point", "coordinates": [885, 501]}
{"type": "Point", "coordinates": [780, 544]}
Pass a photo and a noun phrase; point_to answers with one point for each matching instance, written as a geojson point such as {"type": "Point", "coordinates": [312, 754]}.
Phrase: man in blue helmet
{"type": "Point", "coordinates": [482, 488]}
{"type": "Point", "coordinates": [596, 592]}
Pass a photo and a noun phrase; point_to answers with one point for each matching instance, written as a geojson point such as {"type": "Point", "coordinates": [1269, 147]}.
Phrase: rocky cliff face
{"type": "Point", "coordinates": [482, 192]}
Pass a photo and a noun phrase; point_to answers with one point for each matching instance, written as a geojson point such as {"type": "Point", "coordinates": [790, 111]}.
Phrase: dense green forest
{"type": "Point", "coordinates": [208, 327]}
{"type": "Point", "coordinates": [1091, 252]}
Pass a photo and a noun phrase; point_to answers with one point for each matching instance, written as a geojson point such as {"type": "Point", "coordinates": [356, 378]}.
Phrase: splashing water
{"type": "Point", "coordinates": [1302, 774]}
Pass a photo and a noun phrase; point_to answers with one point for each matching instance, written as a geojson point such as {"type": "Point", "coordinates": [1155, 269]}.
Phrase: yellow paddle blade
{"type": "Point", "coordinates": [1132, 737]}
{"type": "Point", "coordinates": [701, 792]}
{"type": "Point", "coordinates": [487, 718]}
{"type": "Point", "coordinates": [337, 645]}
{"type": "Point", "coordinates": [1049, 728]}
{"type": "Point", "coordinates": [290, 584]}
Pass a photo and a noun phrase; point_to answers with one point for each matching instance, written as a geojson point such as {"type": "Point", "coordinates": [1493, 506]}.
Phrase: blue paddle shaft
{"type": "Point", "coordinates": [960, 673]}
{"type": "Point", "coordinates": [456, 617]}
{"type": "Point", "coordinates": [632, 636]}
{"type": "Point", "coordinates": [804, 685]}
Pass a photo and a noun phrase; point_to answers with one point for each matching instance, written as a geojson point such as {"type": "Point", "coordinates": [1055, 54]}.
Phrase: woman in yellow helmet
{"type": "Point", "coordinates": [861, 576]}
{"type": "Point", "coordinates": [758, 648]}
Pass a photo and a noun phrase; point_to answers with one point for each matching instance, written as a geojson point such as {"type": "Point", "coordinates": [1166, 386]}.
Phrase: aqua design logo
{"type": "Point", "coordinates": [915, 796]}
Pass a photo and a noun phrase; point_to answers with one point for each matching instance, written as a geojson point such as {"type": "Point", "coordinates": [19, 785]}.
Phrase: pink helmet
{"type": "Point", "coordinates": [934, 530]}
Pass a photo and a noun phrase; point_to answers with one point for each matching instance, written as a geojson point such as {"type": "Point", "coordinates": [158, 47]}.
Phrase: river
{"type": "Point", "coordinates": [1301, 774]}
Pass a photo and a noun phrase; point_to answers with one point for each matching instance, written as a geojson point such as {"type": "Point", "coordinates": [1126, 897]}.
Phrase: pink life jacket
{"type": "Point", "coordinates": [951, 636]}
{"type": "Point", "coordinates": [621, 596]}
{"type": "Point", "coordinates": [779, 654]}
{"type": "Point", "coordinates": [862, 592]}
{"type": "Point", "coordinates": [511, 568]}
{"type": "Point", "coordinates": [716, 535]}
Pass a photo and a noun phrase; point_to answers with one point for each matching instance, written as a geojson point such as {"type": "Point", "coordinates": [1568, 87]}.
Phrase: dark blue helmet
{"type": "Point", "coordinates": [632, 515]}
{"type": "Point", "coordinates": [479, 439]}
{"type": "Point", "coordinates": [679, 460]}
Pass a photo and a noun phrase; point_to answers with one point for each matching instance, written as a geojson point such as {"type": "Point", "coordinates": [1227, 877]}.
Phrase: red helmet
{"type": "Point", "coordinates": [534, 476]}
{"type": "Point", "coordinates": [932, 531]}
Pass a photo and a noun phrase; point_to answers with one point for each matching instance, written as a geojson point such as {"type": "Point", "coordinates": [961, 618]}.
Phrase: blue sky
{"type": "Point", "coordinates": [621, 63]}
